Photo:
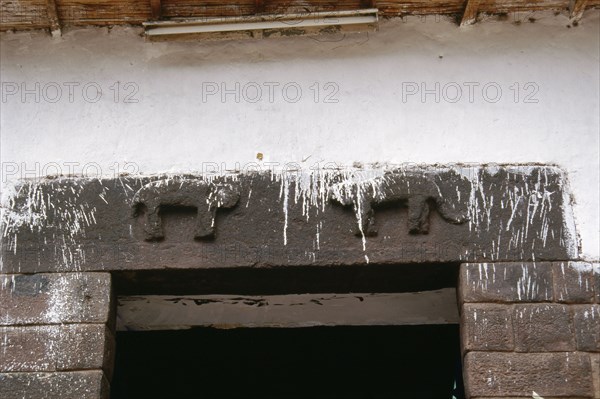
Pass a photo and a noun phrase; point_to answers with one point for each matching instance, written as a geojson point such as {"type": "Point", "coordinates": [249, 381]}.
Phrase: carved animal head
{"type": "Point", "coordinates": [343, 193]}
{"type": "Point", "coordinates": [227, 196]}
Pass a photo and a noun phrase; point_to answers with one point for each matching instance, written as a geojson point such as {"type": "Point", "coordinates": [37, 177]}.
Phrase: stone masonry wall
{"type": "Point", "coordinates": [531, 329]}
{"type": "Point", "coordinates": [528, 329]}
{"type": "Point", "coordinates": [55, 335]}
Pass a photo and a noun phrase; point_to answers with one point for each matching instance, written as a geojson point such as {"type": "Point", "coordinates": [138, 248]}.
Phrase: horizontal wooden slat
{"type": "Point", "coordinates": [211, 8]}
{"type": "Point", "coordinates": [23, 14]}
{"type": "Point", "coordinates": [287, 311]}
{"type": "Point", "coordinates": [420, 7]}
{"type": "Point", "coordinates": [283, 6]}
{"type": "Point", "coordinates": [499, 6]}
{"type": "Point", "coordinates": [94, 12]}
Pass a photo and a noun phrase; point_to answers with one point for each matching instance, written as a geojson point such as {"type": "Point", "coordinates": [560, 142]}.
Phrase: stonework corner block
{"type": "Point", "coordinates": [90, 384]}
{"type": "Point", "coordinates": [586, 322]}
{"type": "Point", "coordinates": [487, 327]}
{"type": "Point", "coordinates": [55, 298]}
{"type": "Point", "coordinates": [56, 348]}
{"type": "Point", "coordinates": [506, 282]}
{"type": "Point", "coordinates": [574, 282]}
{"type": "Point", "coordinates": [501, 374]}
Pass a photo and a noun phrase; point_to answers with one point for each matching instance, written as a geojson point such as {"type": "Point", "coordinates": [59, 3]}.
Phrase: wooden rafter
{"type": "Point", "coordinates": [576, 9]}
{"type": "Point", "coordinates": [470, 15]}
{"type": "Point", "coordinates": [259, 6]}
{"type": "Point", "coordinates": [368, 4]}
{"type": "Point", "coordinates": [94, 12]}
{"type": "Point", "coordinates": [156, 8]}
{"type": "Point", "coordinates": [53, 18]}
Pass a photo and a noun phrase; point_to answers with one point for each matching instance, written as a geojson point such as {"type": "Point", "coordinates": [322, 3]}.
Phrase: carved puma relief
{"type": "Point", "coordinates": [414, 190]}
{"type": "Point", "coordinates": [206, 197]}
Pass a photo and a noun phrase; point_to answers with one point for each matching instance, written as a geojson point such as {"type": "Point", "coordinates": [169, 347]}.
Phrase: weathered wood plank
{"type": "Point", "coordinates": [156, 7]}
{"type": "Point", "coordinates": [106, 12]}
{"type": "Point", "coordinates": [23, 14]}
{"type": "Point", "coordinates": [507, 6]}
{"type": "Point", "coordinates": [419, 7]}
{"type": "Point", "coordinates": [210, 8]}
{"type": "Point", "coordinates": [259, 6]}
{"type": "Point", "coordinates": [286, 311]}
{"type": "Point", "coordinates": [368, 4]}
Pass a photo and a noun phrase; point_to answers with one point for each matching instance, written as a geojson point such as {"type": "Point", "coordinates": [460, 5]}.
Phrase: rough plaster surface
{"type": "Point", "coordinates": [172, 128]}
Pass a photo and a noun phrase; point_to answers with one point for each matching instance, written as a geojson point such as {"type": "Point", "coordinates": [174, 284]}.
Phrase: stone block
{"type": "Point", "coordinates": [502, 374]}
{"type": "Point", "coordinates": [573, 282]}
{"type": "Point", "coordinates": [56, 347]}
{"type": "Point", "coordinates": [586, 323]}
{"type": "Point", "coordinates": [487, 327]}
{"type": "Point", "coordinates": [53, 298]}
{"type": "Point", "coordinates": [543, 328]}
{"type": "Point", "coordinates": [506, 282]}
{"type": "Point", "coordinates": [91, 384]}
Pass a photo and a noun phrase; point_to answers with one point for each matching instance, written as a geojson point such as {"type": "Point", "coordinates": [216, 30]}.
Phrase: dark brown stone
{"type": "Point", "coordinates": [543, 328]}
{"type": "Point", "coordinates": [206, 197]}
{"type": "Point", "coordinates": [287, 220]}
{"type": "Point", "coordinates": [55, 298]}
{"type": "Point", "coordinates": [90, 384]}
{"type": "Point", "coordinates": [573, 282]}
{"type": "Point", "coordinates": [415, 189]}
{"type": "Point", "coordinates": [506, 282]}
{"type": "Point", "coordinates": [487, 327]}
{"type": "Point", "coordinates": [595, 358]}
{"type": "Point", "coordinates": [501, 374]}
{"type": "Point", "coordinates": [587, 327]}
{"type": "Point", "coordinates": [56, 348]}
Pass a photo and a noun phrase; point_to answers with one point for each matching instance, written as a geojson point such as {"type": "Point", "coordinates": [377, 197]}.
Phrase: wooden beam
{"type": "Point", "coordinates": [156, 312]}
{"type": "Point", "coordinates": [368, 4]}
{"type": "Point", "coordinates": [53, 18]}
{"type": "Point", "coordinates": [470, 15]}
{"type": "Point", "coordinates": [156, 9]}
{"type": "Point", "coordinates": [259, 6]}
{"type": "Point", "coordinates": [576, 9]}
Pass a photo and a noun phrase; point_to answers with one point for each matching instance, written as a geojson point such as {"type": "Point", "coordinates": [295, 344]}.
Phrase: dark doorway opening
{"type": "Point", "coordinates": [412, 362]}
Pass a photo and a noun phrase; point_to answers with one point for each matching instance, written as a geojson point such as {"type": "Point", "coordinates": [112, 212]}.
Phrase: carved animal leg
{"type": "Point", "coordinates": [205, 222]}
{"type": "Point", "coordinates": [153, 227]}
{"type": "Point", "coordinates": [418, 214]}
{"type": "Point", "coordinates": [448, 213]}
{"type": "Point", "coordinates": [367, 220]}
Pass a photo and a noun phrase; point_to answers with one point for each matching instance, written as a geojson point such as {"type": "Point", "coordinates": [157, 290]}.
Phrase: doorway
{"type": "Point", "coordinates": [395, 360]}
